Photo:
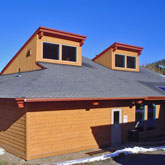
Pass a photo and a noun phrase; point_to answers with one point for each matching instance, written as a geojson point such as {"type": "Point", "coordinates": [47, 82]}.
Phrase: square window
{"type": "Point", "coordinates": [119, 60]}
{"type": "Point", "coordinates": [68, 53]}
{"type": "Point", "coordinates": [131, 62]}
{"type": "Point", "coordinates": [51, 51]}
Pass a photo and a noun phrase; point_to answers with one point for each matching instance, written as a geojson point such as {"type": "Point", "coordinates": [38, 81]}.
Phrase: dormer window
{"type": "Point", "coordinates": [124, 61]}
{"type": "Point", "coordinates": [119, 60]}
{"type": "Point", "coordinates": [68, 53]}
{"type": "Point", "coordinates": [51, 51]}
{"type": "Point", "coordinates": [59, 52]}
{"type": "Point", "coordinates": [131, 62]}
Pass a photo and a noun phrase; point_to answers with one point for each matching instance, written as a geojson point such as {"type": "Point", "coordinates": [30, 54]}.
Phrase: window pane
{"type": "Point", "coordinates": [116, 117]}
{"type": "Point", "coordinates": [51, 51]}
{"type": "Point", "coordinates": [140, 112]}
{"type": "Point", "coordinates": [131, 62]}
{"type": "Point", "coordinates": [151, 111]}
{"type": "Point", "coordinates": [139, 123]}
{"type": "Point", "coordinates": [68, 53]}
{"type": "Point", "coordinates": [151, 117]}
{"type": "Point", "coordinates": [119, 60]}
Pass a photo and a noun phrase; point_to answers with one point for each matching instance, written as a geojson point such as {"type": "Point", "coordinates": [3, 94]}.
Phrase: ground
{"type": "Point", "coordinates": [152, 158]}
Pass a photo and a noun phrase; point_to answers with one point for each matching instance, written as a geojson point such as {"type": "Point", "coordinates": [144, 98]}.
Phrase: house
{"type": "Point", "coordinates": [54, 101]}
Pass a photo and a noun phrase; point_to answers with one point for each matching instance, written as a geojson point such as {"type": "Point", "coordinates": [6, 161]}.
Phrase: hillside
{"type": "Point", "coordinates": [158, 66]}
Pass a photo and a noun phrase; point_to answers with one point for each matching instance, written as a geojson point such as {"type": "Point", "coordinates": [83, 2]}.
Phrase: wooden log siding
{"type": "Point", "coordinates": [56, 132]}
{"type": "Point", "coordinates": [12, 129]}
{"type": "Point", "coordinates": [58, 128]}
{"type": "Point", "coordinates": [48, 129]}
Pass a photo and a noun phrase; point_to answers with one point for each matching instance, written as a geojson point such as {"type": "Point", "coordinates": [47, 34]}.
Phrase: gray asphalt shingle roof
{"type": "Point", "coordinates": [89, 81]}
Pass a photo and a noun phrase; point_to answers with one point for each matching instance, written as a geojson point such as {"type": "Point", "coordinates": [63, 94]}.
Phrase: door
{"type": "Point", "coordinates": [116, 127]}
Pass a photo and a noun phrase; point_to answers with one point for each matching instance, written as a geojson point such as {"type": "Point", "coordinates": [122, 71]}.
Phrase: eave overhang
{"type": "Point", "coordinates": [92, 99]}
{"type": "Point", "coordinates": [41, 31]}
{"type": "Point", "coordinates": [138, 100]}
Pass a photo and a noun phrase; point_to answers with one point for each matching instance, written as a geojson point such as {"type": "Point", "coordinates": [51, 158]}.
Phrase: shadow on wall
{"type": "Point", "coordinates": [108, 135]}
{"type": "Point", "coordinates": [161, 118]}
{"type": "Point", "coordinates": [105, 135]}
{"type": "Point", "coordinates": [102, 135]}
{"type": "Point", "coordinates": [10, 113]}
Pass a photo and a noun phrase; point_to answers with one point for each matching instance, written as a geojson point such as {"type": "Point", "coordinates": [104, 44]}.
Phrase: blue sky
{"type": "Point", "coordinates": [135, 22]}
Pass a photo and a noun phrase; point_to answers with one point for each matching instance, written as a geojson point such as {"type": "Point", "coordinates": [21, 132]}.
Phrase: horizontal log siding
{"type": "Point", "coordinates": [12, 129]}
{"type": "Point", "coordinates": [130, 112]}
{"type": "Point", "coordinates": [58, 132]}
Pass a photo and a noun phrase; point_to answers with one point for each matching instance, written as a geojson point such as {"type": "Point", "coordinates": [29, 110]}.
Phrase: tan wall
{"type": "Point", "coordinates": [12, 129]}
{"type": "Point", "coordinates": [23, 62]}
{"type": "Point", "coordinates": [130, 112]}
{"type": "Point", "coordinates": [58, 41]}
{"type": "Point", "coordinates": [58, 131]}
{"type": "Point", "coordinates": [105, 59]}
{"type": "Point", "coordinates": [108, 59]}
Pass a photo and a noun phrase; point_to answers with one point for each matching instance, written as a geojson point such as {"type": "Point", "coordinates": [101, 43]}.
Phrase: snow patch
{"type": "Point", "coordinates": [125, 151]}
{"type": "Point", "coordinates": [2, 151]}
{"type": "Point", "coordinates": [163, 75]}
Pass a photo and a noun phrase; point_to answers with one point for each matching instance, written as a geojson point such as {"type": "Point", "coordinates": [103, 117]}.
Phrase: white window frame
{"type": "Point", "coordinates": [120, 115]}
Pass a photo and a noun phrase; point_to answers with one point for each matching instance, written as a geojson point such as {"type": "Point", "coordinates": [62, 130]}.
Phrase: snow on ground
{"type": "Point", "coordinates": [125, 151]}
{"type": "Point", "coordinates": [2, 151]}
{"type": "Point", "coordinates": [163, 75]}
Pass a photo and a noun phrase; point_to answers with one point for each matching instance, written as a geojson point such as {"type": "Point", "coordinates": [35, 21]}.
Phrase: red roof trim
{"type": "Point", "coordinates": [41, 66]}
{"type": "Point", "coordinates": [54, 31]}
{"type": "Point", "coordinates": [28, 100]}
{"type": "Point", "coordinates": [80, 99]}
{"type": "Point", "coordinates": [156, 98]}
{"type": "Point", "coordinates": [93, 99]}
{"type": "Point", "coordinates": [121, 46]}
{"type": "Point", "coordinates": [51, 32]}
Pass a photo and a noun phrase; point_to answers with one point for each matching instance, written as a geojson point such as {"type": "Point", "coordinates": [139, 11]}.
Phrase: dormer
{"type": "Point", "coordinates": [120, 57]}
{"type": "Point", "coordinates": [47, 45]}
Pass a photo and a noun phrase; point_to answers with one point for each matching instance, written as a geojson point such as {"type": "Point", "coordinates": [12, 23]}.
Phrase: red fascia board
{"type": "Point", "coordinates": [121, 46]}
{"type": "Point", "coordinates": [156, 98]}
{"type": "Point", "coordinates": [161, 98]}
{"type": "Point", "coordinates": [60, 32]}
{"type": "Point", "coordinates": [51, 32]}
{"type": "Point", "coordinates": [92, 99]}
{"type": "Point", "coordinates": [79, 99]}
{"type": "Point", "coordinates": [128, 46]}
{"type": "Point", "coordinates": [41, 66]}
